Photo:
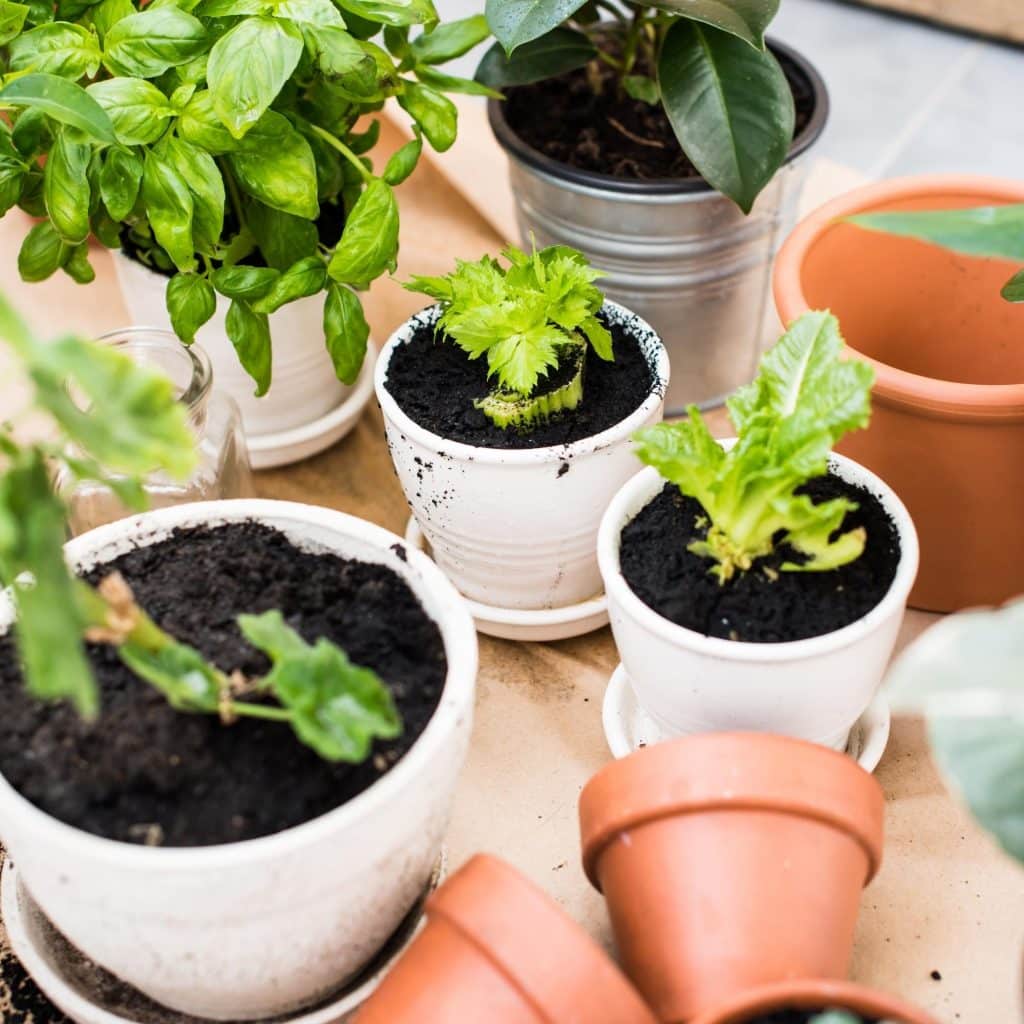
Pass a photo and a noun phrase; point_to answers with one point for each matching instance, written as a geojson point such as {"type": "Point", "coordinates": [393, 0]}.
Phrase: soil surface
{"type": "Point", "coordinates": [801, 1017]}
{"type": "Point", "coordinates": [751, 607]}
{"type": "Point", "coordinates": [435, 383]}
{"type": "Point", "coordinates": [144, 772]}
{"type": "Point", "coordinates": [611, 133]}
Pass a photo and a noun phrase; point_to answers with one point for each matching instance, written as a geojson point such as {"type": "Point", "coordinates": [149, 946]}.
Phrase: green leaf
{"type": "Point", "coordinates": [120, 182]}
{"type": "Point", "coordinates": [59, 48]}
{"type": "Point", "coordinates": [642, 88]}
{"type": "Point", "coordinates": [451, 40]}
{"type": "Point", "coordinates": [247, 283]}
{"type": "Point", "coordinates": [170, 208]}
{"type": "Point", "coordinates": [403, 161]}
{"type": "Point", "coordinates": [342, 60]}
{"type": "Point", "coordinates": [392, 12]}
{"type": "Point", "coordinates": [337, 708]}
{"type": "Point", "coordinates": [435, 114]}
{"type": "Point", "coordinates": [1013, 290]}
{"type": "Point", "coordinates": [233, 8]}
{"type": "Point", "coordinates": [248, 67]}
{"type": "Point", "coordinates": [449, 83]}
{"type": "Point", "coordinates": [190, 302]}
{"type": "Point", "coordinates": [250, 334]}
{"type": "Point", "coordinates": [559, 51]}
{"type": "Point", "coordinates": [12, 20]}
{"type": "Point", "coordinates": [137, 109]}
{"type": "Point", "coordinates": [346, 331]}
{"type": "Point", "coordinates": [310, 12]}
{"type": "Point", "coordinates": [515, 22]}
{"type": "Point", "coordinates": [13, 173]}
{"type": "Point", "coordinates": [31, 133]}
{"type": "Point", "coordinates": [145, 45]}
{"type": "Point", "coordinates": [78, 267]}
{"type": "Point", "coordinates": [62, 100]}
{"type": "Point", "coordinates": [746, 19]}
{"type": "Point", "coordinates": [179, 672]}
{"type": "Point", "coordinates": [993, 231]}
{"type": "Point", "coordinates": [369, 243]}
{"type": "Point", "coordinates": [42, 253]}
{"type": "Point", "coordinates": [200, 125]}
{"type": "Point", "coordinates": [306, 277]}
{"type": "Point", "coordinates": [202, 175]}
{"type": "Point", "coordinates": [730, 106]}
{"type": "Point", "coordinates": [282, 238]}
{"type": "Point", "coordinates": [107, 13]}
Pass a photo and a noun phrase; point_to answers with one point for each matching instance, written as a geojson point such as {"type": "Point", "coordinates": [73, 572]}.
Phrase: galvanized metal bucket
{"type": "Point", "coordinates": [677, 253]}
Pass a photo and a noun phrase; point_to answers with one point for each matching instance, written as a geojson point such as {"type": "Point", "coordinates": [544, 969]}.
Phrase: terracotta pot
{"type": "Point", "coordinates": [497, 949]}
{"type": "Point", "coordinates": [947, 432]}
{"type": "Point", "coordinates": [729, 861]}
{"type": "Point", "coordinates": [815, 995]}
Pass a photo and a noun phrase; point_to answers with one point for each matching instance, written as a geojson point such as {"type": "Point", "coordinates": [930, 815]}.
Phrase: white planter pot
{"type": "Point", "coordinates": [516, 528]}
{"type": "Point", "coordinates": [259, 928]}
{"type": "Point", "coordinates": [304, 385]}
{"type": "Point", "coordinates": [812, 689]}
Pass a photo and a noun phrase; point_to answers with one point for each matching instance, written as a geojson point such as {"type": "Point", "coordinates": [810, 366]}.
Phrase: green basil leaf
{"type": "Point", "coordinates": [363, 142]}
{"type": "Point", "coordinates": [105, 228]}
{"type": "Point", "coordinates": [190, 302]}
{"type": "Point", "coordinates": [451, 40]}
{"type": "Point", "coordinates": [106, 14]}
{"type": "Point", "coordinates": [59, 48]}
{"type": "Point", "coordinates": [403, 161]}
{"type": "Point", "coordinates": [436, 115]}
{"type": "Point", "coordinates": [12, 20]}
{"type": "Point", "coordinates": [342, 60]}
{"type": "Point", "coordinates": [515, 22]}
{"type": "Point", "coordinates": [282, 238]}
{"type": "Point", "coordinates": [13, 173]}
{"type": "Point", "coordinates": [555, 53]}
{"type": "Point", "coordinates": [250, 334]}
{"type": "Point", "coordinates": [746, 19]}
{"type": "Point", "coordinates": [396, 42]}
{"type": "Point", "coordinates": [42, 253]}
{"type": "Point", "coordinates": [234, 8]}
{"type": "Point", "coordinates": [302, 279]}
{"type": "Point", "coordinates": [200, 125]}
{"type": "Point", "coordinates": [642, 88]}
{"type": "Point", "coordinates": [449, 83]}
{"type": "Point", "coordinates": [66, 187]}
{"type": "Point", "coordinates": [146, 44]}
{"type": "Point", "coordinates": [730, 105]}
{"type": "Point", "coordinates": [78, 267]}
{"type": "Point", "coordinates": [169, 208]}
{"type": "Point", "coordinates": [275, 165]}
{"type": "Point", "coordinates": [246, 283]}
{"type": "Point", "coordinates": [248, 67]}
{"type": "Point", "coordinates": [32, 201]}
{"type": "Point", "coordinates": [202, 175]}
{"type": "Point", "coordinates": [369, 243]}
{"type": "Point", "coordinates": [346, 331]}
{"type": "Point", "coordinates": [31, 134]}
{"type": "Point", "coordinates": [393, 12]}
{"type": "Point", "coordinates": [120, 181]}
{"type": "Point", "coordinates": [137, 109]}
{"type": "Point", "coordinates": [310, 12]}
{"type": "Point", "coordinates": [62, 100]}
{"type": "Point", "coordinates": [1013, 290]}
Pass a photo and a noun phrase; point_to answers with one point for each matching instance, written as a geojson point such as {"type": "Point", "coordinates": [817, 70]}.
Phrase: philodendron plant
{"type": "Point", "coordinates": [704, 61]}
{"type": "Point", "coordinates": [124, 423]}
{"type": "Point", "coordinates": [533, 320]}
{"type": "Point", "coordinates": [223, 143]}
{"type": "Point", "coordinates": [787, 421]}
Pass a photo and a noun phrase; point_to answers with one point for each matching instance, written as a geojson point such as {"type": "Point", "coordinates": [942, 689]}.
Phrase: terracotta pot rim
{"type": "Point", "coordinates": [650, 773]}
{"type": "Point", "coordinates": [812, 994]}
{"type": "Point", "coordinates": [942, 399]}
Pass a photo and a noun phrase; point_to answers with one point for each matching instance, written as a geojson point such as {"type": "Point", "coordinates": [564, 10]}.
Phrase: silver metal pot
{"type": "Point", "coordinates": [677, 253]}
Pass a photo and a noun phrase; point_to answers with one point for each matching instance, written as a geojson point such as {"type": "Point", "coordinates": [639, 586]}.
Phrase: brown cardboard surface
{"type": "Point", "coordinates": [1003, 19]}
{"type": "Point", "coordinates": [946, 899]}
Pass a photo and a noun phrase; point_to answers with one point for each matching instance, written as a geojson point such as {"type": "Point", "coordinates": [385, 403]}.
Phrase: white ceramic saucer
{"type": "Point", "coordinates": [627, 726]}
{"type": "Point", "coordinates": [87, 994]}
{"type": "Point", "coordinates": [287, 446]}
{"type": "Point", "coordinates": [520, 624]}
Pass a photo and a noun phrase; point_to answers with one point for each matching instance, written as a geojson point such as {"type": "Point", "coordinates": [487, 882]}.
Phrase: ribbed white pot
{"type": "Point", "coordinates": [258, 928]}
{"type": "Point", "coordinates": [812, 689]}
{"type": "Point", "coordinates": [516, 528]}
{"type": "Point", "coordinates": [304, 385]}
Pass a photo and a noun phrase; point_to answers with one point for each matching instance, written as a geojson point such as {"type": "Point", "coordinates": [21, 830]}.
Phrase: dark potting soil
{"type": "Point", "coordinates": [435, 383]}
{"type": "Point", "coordinates": [752, 607]}
{"type": "Point", "coordinates": [143, 771]}
{"type": "Point", "coordinates": [801, 1017]}
{"type": "Point", "coordinates": [611, 133]}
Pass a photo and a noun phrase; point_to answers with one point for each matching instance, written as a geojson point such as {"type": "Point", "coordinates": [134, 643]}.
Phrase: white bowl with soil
{"type": "Point", "coordinates": [512, 517]}
{"type": "Point", "coordinates": [801, 655]}
{"type": "Point", "coordinates": [278, 875]}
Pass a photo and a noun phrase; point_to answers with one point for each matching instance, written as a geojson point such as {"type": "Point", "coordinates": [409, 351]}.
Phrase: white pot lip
{"type": "Point", "coordinates": [458, 633]}
{"type": "Point", "coordinates": [521, 456]}
{"type": "Point", "coordinates": [638, 491]}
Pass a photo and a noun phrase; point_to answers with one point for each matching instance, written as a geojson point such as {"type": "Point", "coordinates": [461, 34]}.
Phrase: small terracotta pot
{"type": "Point", "coordinates": [497, 949]}
{"type": "Point", "coordinates": [729, 861]}
{"type": "Point", "coordinates": [947, 430]}
{"type": "Point", "coordinates": [815, 995]}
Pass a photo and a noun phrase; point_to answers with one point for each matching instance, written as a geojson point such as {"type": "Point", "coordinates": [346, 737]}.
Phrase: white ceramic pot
{"type": "Point", "coordinates": [304, 386]}
{"type": "Point", "coordinates": [259, 928]}
{"type": "Point", "coordinates": [812, 689]}
{"type": "Point", "coordinates": [516, 528]}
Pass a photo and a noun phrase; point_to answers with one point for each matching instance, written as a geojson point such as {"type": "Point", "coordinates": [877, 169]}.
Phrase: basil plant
{"type": "Point", "coordinates": [223, 144]}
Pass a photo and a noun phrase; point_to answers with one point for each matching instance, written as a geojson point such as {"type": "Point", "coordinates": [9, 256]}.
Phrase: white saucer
{"type": "Point", "coordinates": [287, 446]}
{"type": "Point", "coordinates": [522, 624]}
{"type": "Point", "coordinates": [627, 726]}
{"type": "Point", "coordinates": [89, 995]}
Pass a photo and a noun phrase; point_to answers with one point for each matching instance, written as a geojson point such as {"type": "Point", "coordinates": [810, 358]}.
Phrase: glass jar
{"type": "Point", "coordinates": [223, 467]}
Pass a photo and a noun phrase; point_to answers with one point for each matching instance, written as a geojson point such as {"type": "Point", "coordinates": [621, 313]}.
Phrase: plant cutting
{"type": "Point", "coordinates": [658, 126]}
{"type": "Point", "coordinates": [948, 396]}
{"type": "Point", "coordinates": [223, 148]}
{"type": "Point", "coordinates": [729, 862]}
{"type": "Point", "coordinates": [238, 687]}
{"type": "Point", "coordinates": [753, 568]}
{"type": "Point", "coordinates": [508, 408]}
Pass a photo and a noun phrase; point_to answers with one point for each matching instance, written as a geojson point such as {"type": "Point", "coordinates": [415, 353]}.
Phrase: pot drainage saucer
{"type": "Point", "coordinates": [627, 727]}
{"type": "Point", "coordinates": [526, 624]}
{"type": "Point", "coordinates": [87, 994]}
{"type": "Point", "coordinates": [287, 446]}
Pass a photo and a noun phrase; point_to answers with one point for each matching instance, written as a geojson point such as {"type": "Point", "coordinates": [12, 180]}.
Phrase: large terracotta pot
{"type": "Point", "coordinates": [729, 861]}
{"type": "Point", "coordinates": [815, 995]}
{"type": "Point", "coordinates": [496, 949]}
{"type": "Point", "coordinates": [947, 432]}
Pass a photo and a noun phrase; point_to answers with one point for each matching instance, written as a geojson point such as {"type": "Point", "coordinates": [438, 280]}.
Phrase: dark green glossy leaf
{"type": "Point", "coordinates": [450, 40]}
{"type": "Point", "coordinates": [62, 100]}
{"type": "Point", "coordinates": [78, 267]}
{"type": "Point", "coordinates": [282, 238]}
{"type": "Point", "coordinates": [435, 114]}
{"type": "Point", "coordinates": [555, 53]}
{"type": "Point", "coordinates": [120, 181]}
{"type": "Point", "coordinates": [169, 208]}
{"type": "Point", "coordinates": [346, 331]}
{"type": "Point", "coordinates": [250, 334]}
{"type": "Point", "coordinates": [145, 45]}
{"type": "Point", "coordinates": [66, 187]}
{"type": "Point", "coordinates": [202, 175]}
{"type": "Point", "coordinates": [515, 22]}
{"type": "Point", "coordinates": [746, 19]}
{"type": "Point", "coordinates": [59, 48]}
{"type": "Point", "coordinates": [247, 283]}
{"type": "Point", "coordinates": [42, 253]}
{"type": "Point", "coordinates": [403, 161]}
{"type": "Point", "coordinates": [137, 109]}
{"type": "Point", "coordinates": [363, 142]}
{"type": "Point", "coordinates": [304, 278]}
{"type": "Point", "coordinates": [12, 20]}
{"type": "Point", "coordinates": [369, 244]}
{"type": "Point", "coordinates": [1013, 290]}
{"type": "Point", "coordinates": [190, 302]}
{"type": "Point", "coordinates": [392, 12]}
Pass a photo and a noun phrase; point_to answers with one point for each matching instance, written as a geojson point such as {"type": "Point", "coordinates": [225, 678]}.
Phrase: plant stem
{"type": "Point", "coordinates": [272, 714]}
{"type": "Point", "coordinates": [234, 195]}
{"type": "Point", "coordinates": [344, 151]}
